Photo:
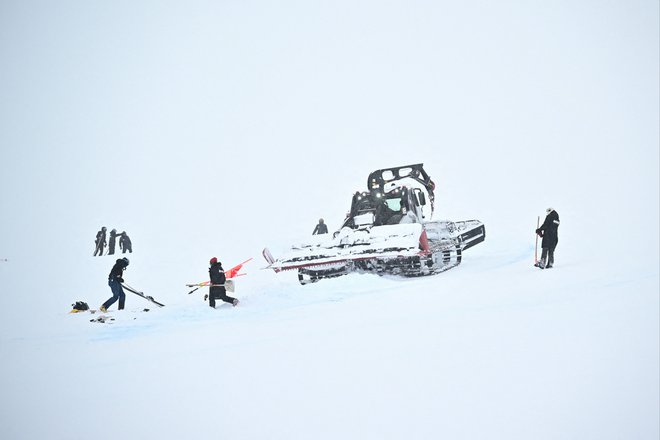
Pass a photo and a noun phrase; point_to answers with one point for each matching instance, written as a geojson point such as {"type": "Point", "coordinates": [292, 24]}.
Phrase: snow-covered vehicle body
{"type": "Point", "coordinates": [389, 230]}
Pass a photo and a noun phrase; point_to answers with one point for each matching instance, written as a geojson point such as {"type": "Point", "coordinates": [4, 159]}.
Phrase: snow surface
{"type": "Point", "coordinates": [216, 129]}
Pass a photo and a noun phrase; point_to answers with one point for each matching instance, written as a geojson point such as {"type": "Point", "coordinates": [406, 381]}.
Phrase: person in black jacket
{"type": "Point", "coordinates": [111, 242]}
{"type": "Point", "coordinates": [114, 281]}
{"type": "Point", "coordinates": [100, 242]}
{"type": "Point", "coordinates": [217, 287]}
{"type": "Point", "coordinates": [548, 231]}
{"type": "Point", "coordinates": [125, 243]}
{"type": "Point", "coordinates": [321, 228]}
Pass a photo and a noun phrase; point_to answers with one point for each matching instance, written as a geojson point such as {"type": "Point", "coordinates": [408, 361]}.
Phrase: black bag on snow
{"type": "Point", "coordinates": [79, 305]}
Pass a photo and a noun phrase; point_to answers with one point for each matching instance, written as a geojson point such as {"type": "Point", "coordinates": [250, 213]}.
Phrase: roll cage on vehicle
{"type": "Point", "coordinates": [395, 195]}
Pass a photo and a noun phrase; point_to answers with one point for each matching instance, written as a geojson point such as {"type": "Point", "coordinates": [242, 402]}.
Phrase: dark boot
{"type": "Point", "coordinates": [544, 259]}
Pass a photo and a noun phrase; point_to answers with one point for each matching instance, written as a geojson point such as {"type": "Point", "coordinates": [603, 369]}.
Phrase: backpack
{"type": "Point", "coordinates": [79, 306]}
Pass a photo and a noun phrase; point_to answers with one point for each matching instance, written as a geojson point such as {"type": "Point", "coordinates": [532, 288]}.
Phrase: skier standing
{"type": "Point", "coordinates": [125, 243]}
{"type": "Point", "coordinates": [217, 287]}
{"type": "Point", "coordinates": [111, 242]}
{"type": "Point", "coordinates": [100, 242]}
{"type": "Point", "coordinates": [114, 281]}
{"type": "Point", "coordinates": [321, 228]}
{"type": "Point", "coordinates": [548, 231]}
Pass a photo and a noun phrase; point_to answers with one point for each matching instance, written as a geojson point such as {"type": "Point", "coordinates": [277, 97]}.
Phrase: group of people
{"type": "Point", "coordinates": [125, 244]}
{"type": "Point", "coordinates": [217, 288]}
{"type": "Point", "coordinates": [217, 277]}
{"type": "Point", "coordinates": [548, 231]}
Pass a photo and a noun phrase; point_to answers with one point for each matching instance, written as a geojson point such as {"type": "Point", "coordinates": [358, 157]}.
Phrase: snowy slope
{"type": "Point", "coordinates": [218, 129]}
{"type": "Point", "coordinates": [491, 348]}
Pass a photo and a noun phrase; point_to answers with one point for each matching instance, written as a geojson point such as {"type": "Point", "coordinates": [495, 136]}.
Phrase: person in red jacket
{"type": "Point", "coordinates": [217, 287]}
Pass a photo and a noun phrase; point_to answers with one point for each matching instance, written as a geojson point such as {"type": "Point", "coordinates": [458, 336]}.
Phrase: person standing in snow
{"type": "Point", "coordinates": [100, 242]}
{"type": "Point", "coordinates": [321, 228]}
{"type": "Point", "coordinates": [217, 287]}
{"type": "Point", "coordinates": [111, 242]}
{"type": "Point", "coordinates": [548, 231]}
{"type": "Point", "coordinates": [114, 281]}
{"type": "Point", "coordinates": [125, 243]}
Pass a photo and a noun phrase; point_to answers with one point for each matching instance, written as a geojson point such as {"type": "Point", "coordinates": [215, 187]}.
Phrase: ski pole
{"type": "Point", "coordinates": [199, 285]}
{"type": "Point", "coordinates": [536, 246]}
{"type": "Point", "coordinates": [203, 285]}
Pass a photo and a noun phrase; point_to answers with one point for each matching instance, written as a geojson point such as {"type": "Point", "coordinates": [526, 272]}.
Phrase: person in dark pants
{"type": "Point", "coordinates": [321, 228]}
{"type": "Point", "coordinates": [217, 288]}
{"type": "Point", "coordinates": [548, 231]}
{"type": "Point", "coordinates": [111, 242]}
{"type": "Point", "coordinates": [100, 242]}
{"type": "Point", "coordinates": [125, 243]}
{"type": "Point", "coordinates": [114, 281]}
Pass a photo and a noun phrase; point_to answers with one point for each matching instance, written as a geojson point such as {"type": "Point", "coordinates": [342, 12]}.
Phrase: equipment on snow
{"type": "Point", "coordinates": [102, 319]}
{"type": "Point", "coordinates": [148, 298]}
{"type": "Point", "coordinates": [389, 230]}
{"type": "Point", "coordinates": [79, 306]}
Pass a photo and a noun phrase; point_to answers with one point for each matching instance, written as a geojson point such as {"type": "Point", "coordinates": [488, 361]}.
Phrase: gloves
{"type": "Point", "coordinates": [539, 232]}
{"type": "Point", "coordinates": [120, 279]}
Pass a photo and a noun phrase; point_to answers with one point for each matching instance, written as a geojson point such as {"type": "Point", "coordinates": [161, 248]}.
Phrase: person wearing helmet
{"type": "Point", "coordinates": [548, 231]}
{"type": "Point", "coordinates": [217, 287]}
{"type": "Point", "coordinates": [321, 228]}
{"type": "Point", "coordinates": [100, 242]}
{"type": "Point", "coordinates": [114, 281]}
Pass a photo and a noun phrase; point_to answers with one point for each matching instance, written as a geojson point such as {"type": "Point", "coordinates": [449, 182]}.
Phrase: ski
{"type": "Point", "coordinates": [147, 297]}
